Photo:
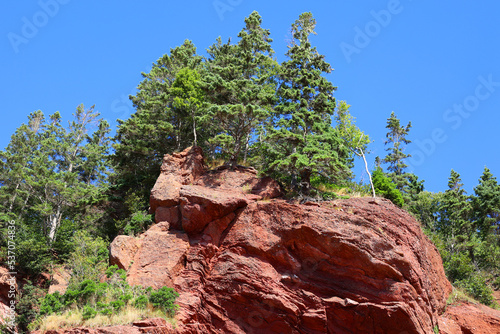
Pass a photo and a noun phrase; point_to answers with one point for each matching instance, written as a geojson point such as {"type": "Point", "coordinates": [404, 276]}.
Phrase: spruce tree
{"type": "Point", "coordinates": [455, 213]}
{"type": "Point", "coordinates": [239, 87]}
{"type": "Point", "coordinates": [486, 204]}
{"type": "Point", "coordinates": [303, 142]}
{"type": "Point", "coordinates": [396, 137]}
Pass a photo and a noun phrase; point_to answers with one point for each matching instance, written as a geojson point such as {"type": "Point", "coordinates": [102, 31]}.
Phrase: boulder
{"type": "Point", "coordinates": [160, 258]}
{"type": "Point", "coordinates": [60, 280]}
{"type": "Point", "coordinates": [122, 251]}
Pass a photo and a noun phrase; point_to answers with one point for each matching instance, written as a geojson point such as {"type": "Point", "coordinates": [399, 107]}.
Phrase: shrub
{"type": "Point", "coordinates": [476, 286]}
{"type": "Point", "coordinates": [164, 298]}
{"type": "Point", "coordinates": [141, 302]}
{"type": "Point", "coordinates": [88, 312]}
{"type": "Point", "coordinates": [386, 188]}
{"type": "Point", "coordinates": [51, 304]}
{"type": "Point", "coordinates": [459, 267]}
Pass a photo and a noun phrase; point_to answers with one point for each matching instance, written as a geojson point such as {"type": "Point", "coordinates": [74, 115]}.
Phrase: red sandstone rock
{"type": "Point", "coordinates": [160, 259]}
{"type": "Point", "coordinates": [6, 289]}
{"type": "Point", "coordinates": [200, 206]}
{"type": "Point", "coordinates": [468, 318]}
{"type": "Point", "coordinates": [123, 250]}
{"type": "Point", "coordinates": [172, 215]}
{"type": "Point", "coordinates": [60, 280]}
{"type": "Point", "coordinates": [350, 266]}
{"type": "Point", "coordinates": [150, 326]}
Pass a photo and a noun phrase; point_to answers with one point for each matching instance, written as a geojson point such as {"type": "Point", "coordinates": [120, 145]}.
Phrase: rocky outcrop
{"type": "Point", "coordinates": [244, 262]}
{"type": "Point", "coordinates": [468, 318]}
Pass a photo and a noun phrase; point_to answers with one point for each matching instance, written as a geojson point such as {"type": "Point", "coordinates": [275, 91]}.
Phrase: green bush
{"type": "Point", "coordinates": [109, 298]}
{"type": "Point", "coordinates": [459, 267]}
{"type": "Point", "coordinates": [384, 187]}
{"type": "Point", "coordinates": [476, 286]}
{"type": "Point", "coordinates": [164, 299]}
{"type": "Point", "coordinates": [88, 312]}
{"type": "Point", "coordinates": [141, 302]}
{"type": "Point", "coordinates": [138, 223]}
{"type": "Point", "coordinates": [51, 304]}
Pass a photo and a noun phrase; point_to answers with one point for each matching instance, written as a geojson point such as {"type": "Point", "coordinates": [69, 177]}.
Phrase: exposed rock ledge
{"type": "Point", "coordinates": [245, 261]}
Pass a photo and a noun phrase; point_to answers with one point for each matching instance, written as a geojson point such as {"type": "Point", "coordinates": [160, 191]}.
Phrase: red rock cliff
{"type": "Point", "coordinates": [244, 262]}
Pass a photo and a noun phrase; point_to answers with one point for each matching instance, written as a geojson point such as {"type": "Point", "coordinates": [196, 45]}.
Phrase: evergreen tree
{"type": "Point", "coordinates": [240, 88]}
{"type": "Point", "coordinates": [188, 96]}
{"type": "Point", "coordinates": [455, 210]}
{"type": "Point", "coordinates": [486, 204]}
{"type": "Point", "coordinates": [156, 128]}
{"type": "Point", "coordinates": [303, 141]}
{"type": "Point", "coordinates": [396, 137]}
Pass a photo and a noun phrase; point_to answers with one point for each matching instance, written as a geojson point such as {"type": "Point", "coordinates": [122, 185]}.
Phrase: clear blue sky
{"type": "Point", "coordinates": [436, 64]}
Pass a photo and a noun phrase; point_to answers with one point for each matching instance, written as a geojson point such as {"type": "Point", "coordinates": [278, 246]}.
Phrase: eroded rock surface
{"type": "Point", "coordinates": [245, 261]}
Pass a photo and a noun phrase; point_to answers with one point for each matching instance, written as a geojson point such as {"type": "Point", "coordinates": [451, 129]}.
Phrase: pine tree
{"type": "Point", "coordinates": [303, 141]}
{"type": "Point", "coordinates": [455, 211]}
{"type": "Point", "coordinates": [239, 87]}
{"type": "Point", "coordinates": [486, 204]}
{"type": "Point", "coordinates": [396, 136]}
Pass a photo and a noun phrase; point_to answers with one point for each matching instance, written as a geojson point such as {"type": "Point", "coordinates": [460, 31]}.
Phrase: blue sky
{"type": "Point", "coordinates": [434, 64]}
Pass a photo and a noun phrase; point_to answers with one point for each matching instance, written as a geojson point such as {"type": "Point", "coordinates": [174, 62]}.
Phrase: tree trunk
{"type": "Point", "coordinates": [367, 171]}
{"type": "Point", "coordinates": [305, 182]}
{"type": "Point", "coordinates": [246, 148]}
{"type": "Point", "coordinates": [194, 129]}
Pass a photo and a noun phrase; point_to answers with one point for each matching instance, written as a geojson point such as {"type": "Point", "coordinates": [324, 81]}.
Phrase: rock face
{"type": "Point", "coordinates": [245, 261]}
{"type": "Point", "coordinates": [467, 318]}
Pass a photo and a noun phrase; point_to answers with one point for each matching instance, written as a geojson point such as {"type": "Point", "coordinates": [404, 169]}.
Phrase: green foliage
{"type": "Point", "coordinates": [51, 304]}
{"type": "Point", "coordinates": [486, 204]}
{"type": "Point", "coordinates": [138, 223]}
{"type": "Point", "coordinates": [88, 312]}
{"type": "Point", "coordinates": [475, 285]}
{"type": "Point", "coordinates": [240, 87]}
{"type": "Point", "coordinates": [455, 210]}
{"type": "Point", "coordinates": [27, 305]}
{"type": "Point", "coordinates": [384, 187]}
{"type": "Point", "coordinates": [89, 258]}
{"type": "Point", "coordinates": [396, 136]}
{"type": "Point", "coordinates": [108, 298]}
{"type": "Point", "coordinates": [141, 302]}
{"type": "Point", "coordinates": [156, 128]}
{"type": "Point", "coordinates": [301, 141]}
{"type": "Point", "coordinates": [164, 298]}
{"type": "Point", "coordinates": [52, 176]}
